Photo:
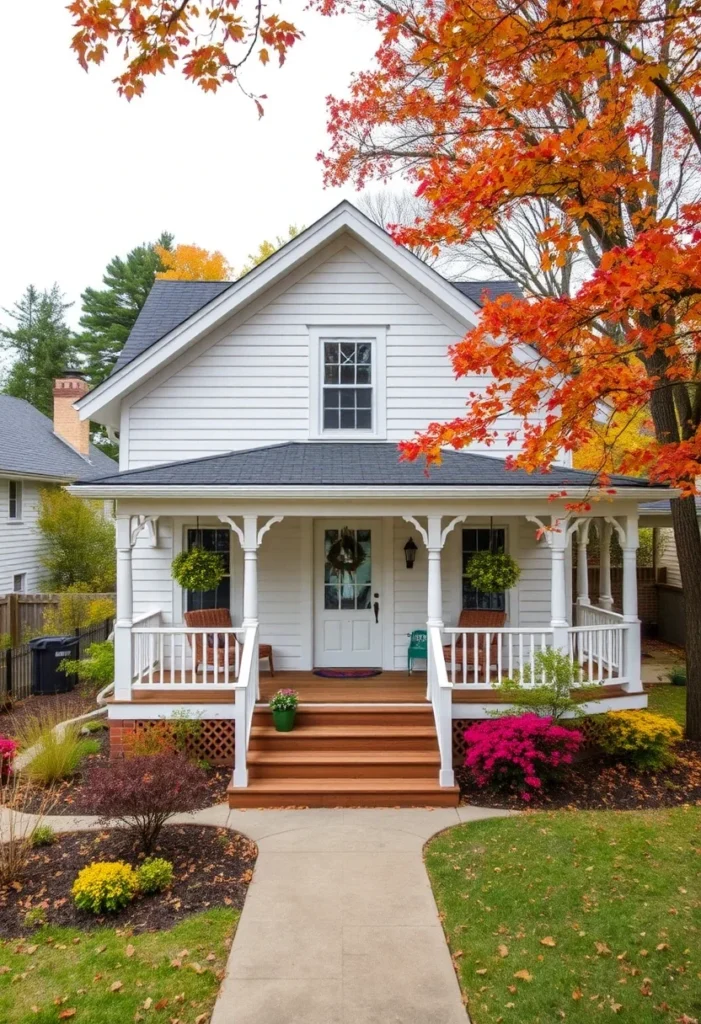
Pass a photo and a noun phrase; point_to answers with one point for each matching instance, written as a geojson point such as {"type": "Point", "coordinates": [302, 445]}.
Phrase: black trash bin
{"type": "Point", "coordinates": [47, 654]}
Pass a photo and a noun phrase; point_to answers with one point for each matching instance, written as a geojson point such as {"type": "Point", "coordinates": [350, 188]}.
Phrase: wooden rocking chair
{"type": "Point", "coordinates": [476, 619]}
{"type": "Point", "coordinates": [219, 618]}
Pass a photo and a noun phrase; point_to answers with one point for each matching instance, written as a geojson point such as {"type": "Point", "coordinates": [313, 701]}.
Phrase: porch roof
{"type": "Point", "coordinates": [347, 464]}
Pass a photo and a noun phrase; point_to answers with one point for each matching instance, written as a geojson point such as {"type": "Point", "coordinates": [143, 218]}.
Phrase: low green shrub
{"type": "Point", "coordinates": [35, 917]}
{"type": "Point", "coordinates": [97, 666]}
{"type": "Point", "coordinates": [43, 835]}
{"type": "Point", "coordinates": [155, 874]}
{"type": "Point", "coordinates": [555, 676]}
{"type": "Point", "coordinates": [643, 738]}
{"type": "Point", "coordinates": [105, 887]}
{"type": "Point", "coordinates": [677, 675]}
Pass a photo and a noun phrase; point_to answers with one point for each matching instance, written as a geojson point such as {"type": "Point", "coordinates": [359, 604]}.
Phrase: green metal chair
{"type": "Point", "coordinates": [418, 647]}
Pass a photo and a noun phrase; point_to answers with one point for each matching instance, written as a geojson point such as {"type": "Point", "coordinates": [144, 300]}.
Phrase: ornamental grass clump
{"type": "Point", "coordinates": [105, 887]}
{"type": "Point", "coordinates": [643, 738]}
{"type": "Point", "coordinates": [141, 793]}
{"type": "Point", "coordinates": [519, 754]}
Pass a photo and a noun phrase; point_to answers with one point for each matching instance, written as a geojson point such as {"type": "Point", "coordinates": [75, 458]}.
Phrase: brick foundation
{"type": "Point", "coordinates": [214, 744]}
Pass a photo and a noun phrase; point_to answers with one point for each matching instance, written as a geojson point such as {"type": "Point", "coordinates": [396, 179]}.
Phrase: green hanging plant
{"type": "Point", "coordinates": [198, 569]}
{"type": "Point", "coordinates": [492, 572]}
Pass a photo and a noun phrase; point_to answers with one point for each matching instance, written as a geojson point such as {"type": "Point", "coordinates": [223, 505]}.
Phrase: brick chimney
{"type": "Point", "coordinates": [67, 424]}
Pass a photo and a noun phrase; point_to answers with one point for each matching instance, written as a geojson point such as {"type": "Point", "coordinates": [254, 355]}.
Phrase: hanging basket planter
{"type": "Point", "coordinates": [345, 554]}
{"type": "Point", "coordinates": [492, 572]}
{"type": "Point", "coordinates": [198, 569]}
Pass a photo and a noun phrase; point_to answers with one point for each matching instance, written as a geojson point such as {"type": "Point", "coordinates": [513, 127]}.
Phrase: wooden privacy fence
{"type": "Point", "coordinates": [23, 614]}
{"type": "Point", "coordinates": [16, 662]}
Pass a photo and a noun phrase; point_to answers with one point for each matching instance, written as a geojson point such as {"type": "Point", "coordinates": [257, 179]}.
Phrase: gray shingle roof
{"type": "Point", "coordinates": [663, 507]}
{"type": "Point", "coordinates": [168, 305]}
{"type": "Point", "coordinates": [475, 289]}
{"type": "Point", "coordinates": [338, 464]}
{"type": "Point", "coordinates": [28, 445]}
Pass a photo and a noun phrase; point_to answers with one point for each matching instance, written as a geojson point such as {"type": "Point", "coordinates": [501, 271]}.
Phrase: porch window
{"type": "Point", "coordinates": [211, 540]}
{"type": "Point", "coordinates": [472, 542]}
{"type": "Point", "coordinates": [347, 396]}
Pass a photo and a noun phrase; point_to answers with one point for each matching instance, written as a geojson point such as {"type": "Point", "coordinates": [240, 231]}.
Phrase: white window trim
{"type": "Point", "coordinates": [19, 500]}
{"type": "Point", "coordinates": [377, 336]}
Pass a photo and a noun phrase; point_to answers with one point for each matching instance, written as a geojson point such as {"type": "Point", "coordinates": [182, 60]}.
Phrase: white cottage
{"type": "Point", "coordinates": [260, 419]}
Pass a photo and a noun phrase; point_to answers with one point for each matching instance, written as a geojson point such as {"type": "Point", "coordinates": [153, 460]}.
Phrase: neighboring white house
{"type": "Point", "coordinates": [260, 418]}
{"type": "Point", "coordinates": [35, 453]}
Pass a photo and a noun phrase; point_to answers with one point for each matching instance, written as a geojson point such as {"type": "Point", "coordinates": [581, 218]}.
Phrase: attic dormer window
{"type": "Point", "coordinates": [348, 384]}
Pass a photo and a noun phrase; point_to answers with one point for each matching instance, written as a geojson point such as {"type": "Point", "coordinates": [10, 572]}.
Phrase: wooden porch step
{"type": "Point", "coordinates": [358, 765]}
{"type": "Point", "coordinates": [343, 792]}
{"type": "Point", "coordinates": [343, 715]}
{"type": "Point", "coordinates": [350, 738]}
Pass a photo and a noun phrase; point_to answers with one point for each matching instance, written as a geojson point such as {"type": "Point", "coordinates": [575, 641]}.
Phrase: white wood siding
{"type": "Point", "coordinates": [20, 542]}
{"type": "Point", "coordinates": [251, 386]}
{"type": "Point", "coordinates": [152, 583]}
{"type": "Point", "coordinates": [667, 557]}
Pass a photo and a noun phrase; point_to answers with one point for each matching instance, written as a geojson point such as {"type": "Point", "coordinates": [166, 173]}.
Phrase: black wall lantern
{"type": "Point", "coordinates": [410, 550]}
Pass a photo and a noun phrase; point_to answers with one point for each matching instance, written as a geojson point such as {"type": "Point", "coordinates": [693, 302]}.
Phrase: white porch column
{"type": "Point", "coordinates": [605, 595]}
{"type": "Point", "coordinates": [250, 570]}
{"type": "Point", "coordinates": [434, 602]}
{"type": "Point", "coordinates": [123, 659]}
{"type": "Point", "coordinates": [559, 536]}
{"type": "Point", "coordinates": [629, 544]}
{"type": "Point", "coordinates": [582, 562]}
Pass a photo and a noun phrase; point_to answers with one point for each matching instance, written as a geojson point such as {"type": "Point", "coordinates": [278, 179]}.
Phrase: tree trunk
{"type": "Point", "coordinates": [688, 541]}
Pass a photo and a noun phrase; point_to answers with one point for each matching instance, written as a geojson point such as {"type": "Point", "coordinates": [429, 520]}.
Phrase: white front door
{"type": "Point", "coordinates": [347, 601]}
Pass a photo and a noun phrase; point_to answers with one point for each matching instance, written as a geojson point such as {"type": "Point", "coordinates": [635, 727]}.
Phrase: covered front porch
{"type": "Point", "coordinates": [281, 593]}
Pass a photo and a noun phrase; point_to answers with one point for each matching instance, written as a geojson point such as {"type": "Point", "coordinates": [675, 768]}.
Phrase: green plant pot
{"type": "Point", "coordinates": [284, 721]}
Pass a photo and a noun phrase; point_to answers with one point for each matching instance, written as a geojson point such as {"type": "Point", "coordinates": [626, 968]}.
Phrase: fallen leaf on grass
{"type": "Point", "coordinates": [161, 1004]}
{"type": "Point", "coordinates": [35, 1009]}
{"type": "Point", "coordinates": [197, 968]}
{"type": "Point", "coordinates": [210, 956]}
{"type": "Point", "coordinates": [503, 950]}
{"type": "Point", "coordinates": [577, 994]}
{"type": "Point", "coordinates": [482, 970]}
{"type": "Point", "coordinates": [646, 987]}
{"type": "Point", "coordinates": [30, 949]}
{"type": "Point", "coordinates": [129, 951]}
{"type": "Point", "coordinates": [524, 975]}
{"type": "Point", "coordinates": [65, 1014]}
{"type": "Point", "coordinates": [602, 949]}
{"type": "Point", "coordinates": [4, 969]}
{"type": "Point", "coordinates": [115, 986]}
{"type": "Point", "coordinates": [548, 941]}
{"type": "Point", "coordinates": [202, 1019]}
{"type": "Point", "coordinates": [662, 945]}
{"type": "Point", "coordinates": [148, 1003]}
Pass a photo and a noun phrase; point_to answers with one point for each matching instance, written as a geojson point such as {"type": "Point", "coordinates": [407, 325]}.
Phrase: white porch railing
{"type": "Point", "coordinates": [481, 658]}
{"type": "Point", "coordinates": [247, 692]}
{"type": "Point", "coordinates": [185, 658]}
{"type": "Point", "coordinates": [440, 693]}
{"type": "Point", "coordinates": [147, 620]}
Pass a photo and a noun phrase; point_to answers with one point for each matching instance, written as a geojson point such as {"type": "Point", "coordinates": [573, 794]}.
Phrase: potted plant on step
{"type": "Point", "coordinates": [283, 705]}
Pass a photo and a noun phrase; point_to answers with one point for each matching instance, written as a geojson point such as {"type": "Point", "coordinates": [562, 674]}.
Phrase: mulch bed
{"type": "Point", "coordinates": [213, 867]}
{"type": "Point", "coordinates": [600, 783]}
{"type": "Point", "coordinates": [60, 706]}
{"type": "Point", "coordinates": [74, 796]}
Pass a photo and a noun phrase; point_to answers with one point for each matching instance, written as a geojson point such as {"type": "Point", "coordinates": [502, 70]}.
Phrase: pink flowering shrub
{"type": "Point", "coordinates": [519, 753]}
{"type": "Point", "coordinates": [8, 750]}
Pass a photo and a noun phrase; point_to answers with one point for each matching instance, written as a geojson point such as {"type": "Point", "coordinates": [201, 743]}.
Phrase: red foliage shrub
{"type": "Point", "coordinates": [143, 792]}
{"type": "Point", "coordinates": [8, 751]}
{"type": "Point", "coordinates": [519, 753]}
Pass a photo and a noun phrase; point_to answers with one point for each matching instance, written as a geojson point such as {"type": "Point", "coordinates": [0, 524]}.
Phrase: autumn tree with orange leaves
{"type": "Point", "coordinates": [209, 42]}
{"type": "Point", "coordinates": [593, 108]}
{"type": "Point", "coordinates": [192, 263]}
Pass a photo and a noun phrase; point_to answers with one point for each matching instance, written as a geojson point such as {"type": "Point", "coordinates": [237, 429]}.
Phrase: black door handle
{"type": "Point", "coordinates": [376, 609]}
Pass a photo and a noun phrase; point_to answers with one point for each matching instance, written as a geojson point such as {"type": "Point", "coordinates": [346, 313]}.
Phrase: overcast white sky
{"type": "Point", "coordinates": [87, 175]}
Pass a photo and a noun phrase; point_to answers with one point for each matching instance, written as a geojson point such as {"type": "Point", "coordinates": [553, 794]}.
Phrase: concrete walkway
{"type": "Point", "coordinates": [339, 924]}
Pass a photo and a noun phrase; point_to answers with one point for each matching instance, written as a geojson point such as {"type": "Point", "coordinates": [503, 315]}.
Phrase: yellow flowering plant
{"type": "Point", "coordinates": [643, 738]}
{"type": "Point", "coordinates": [105, 886]}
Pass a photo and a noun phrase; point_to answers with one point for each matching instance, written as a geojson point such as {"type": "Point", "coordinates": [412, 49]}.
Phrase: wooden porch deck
{"type": "Point", "coordinates": [387, 688]}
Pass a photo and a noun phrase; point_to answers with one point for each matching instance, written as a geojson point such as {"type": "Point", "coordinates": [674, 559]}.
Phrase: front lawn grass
{"type": "Point", "coordinates": [574, 916]}
{"type": "Point", "coordinates": [668, 700]}
{"type": "Point", "coordinates": [110, 977]}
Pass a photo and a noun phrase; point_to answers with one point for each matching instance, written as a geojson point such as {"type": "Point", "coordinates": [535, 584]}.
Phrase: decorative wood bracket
{"type": "Point", "coordinates": [583, 526]}
{"type": "Point", "coordinates": [549, 534]}
{"type": "Point", "coordinates": [257, 535]}
{"type": "Point", "coordinates": [415, 523]}
{"type": "Point", "coordinates": [451, 526]}
{"type": "Point", "coordinates": [424, 533]}
{"type": "Point", "coordinates": [546, 533]}
{"type": "Point", "coordinates": [620, 532]}
{"type": "Point", "coordinates": [139, 523]}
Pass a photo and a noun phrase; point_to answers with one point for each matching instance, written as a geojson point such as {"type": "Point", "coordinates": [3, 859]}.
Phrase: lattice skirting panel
{"type": "Point", "coordinates": [215, 742]}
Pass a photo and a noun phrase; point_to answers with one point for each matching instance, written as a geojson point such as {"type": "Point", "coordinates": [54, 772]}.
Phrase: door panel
{"type": "Point", "coordinates": [346, 633]}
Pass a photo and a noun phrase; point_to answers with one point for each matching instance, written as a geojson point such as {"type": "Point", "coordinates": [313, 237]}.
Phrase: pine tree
{"type": "Point", "coordinates": [109, 313]}
{"type": "Point", "coordinates": [40, 344]}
